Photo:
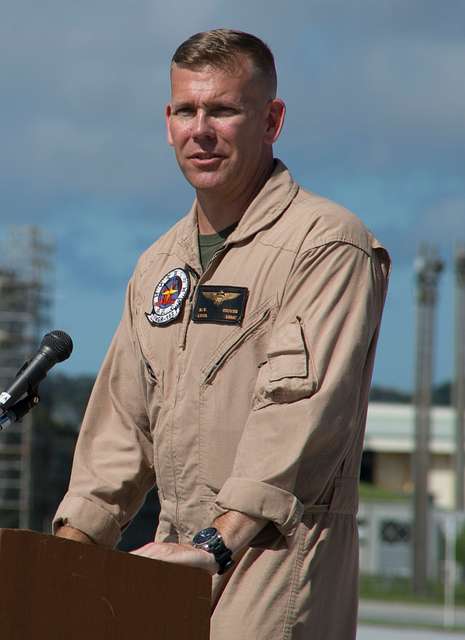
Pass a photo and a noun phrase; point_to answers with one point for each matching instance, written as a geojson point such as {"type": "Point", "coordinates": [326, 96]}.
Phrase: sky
{"type": "Point", "coordinates": [375, 97]}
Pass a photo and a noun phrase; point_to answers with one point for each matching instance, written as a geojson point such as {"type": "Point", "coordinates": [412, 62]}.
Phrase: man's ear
{"type": "Point", "coordinates": [275, 120]}
{"type": "Point", "coordinates": [167, 122]}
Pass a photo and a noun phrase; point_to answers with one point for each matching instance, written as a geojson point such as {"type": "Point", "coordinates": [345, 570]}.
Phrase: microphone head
{"type": "Point", "coordinates": [59, 343]}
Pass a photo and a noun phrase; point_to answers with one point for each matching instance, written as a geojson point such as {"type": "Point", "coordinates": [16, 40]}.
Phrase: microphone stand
{"type": "Point", "coordinates": [16, 412]}
{"type": "Point", "coordinates": [19, 409]}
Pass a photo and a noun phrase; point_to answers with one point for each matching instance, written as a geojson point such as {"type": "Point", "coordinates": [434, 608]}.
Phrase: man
{"type": "Point", "coordinates": [238, 378]}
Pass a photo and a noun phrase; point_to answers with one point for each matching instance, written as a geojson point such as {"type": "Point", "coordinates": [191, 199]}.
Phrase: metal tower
{"type": "Point", "coordinates": [25, 300]}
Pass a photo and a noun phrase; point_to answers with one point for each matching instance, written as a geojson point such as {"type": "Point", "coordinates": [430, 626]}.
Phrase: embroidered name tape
{"type": "Point", "coordinates": [168, 297]}
{"type": "Point", "coordinates": [223, 305]}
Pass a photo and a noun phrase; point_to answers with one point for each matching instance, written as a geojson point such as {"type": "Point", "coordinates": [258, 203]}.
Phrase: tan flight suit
{"type": "Point", "coordinates": [265, 417]}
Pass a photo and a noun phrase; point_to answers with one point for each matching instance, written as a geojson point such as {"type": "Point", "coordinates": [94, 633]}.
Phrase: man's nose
{"type": "Point", "coordinates": [202, 127]}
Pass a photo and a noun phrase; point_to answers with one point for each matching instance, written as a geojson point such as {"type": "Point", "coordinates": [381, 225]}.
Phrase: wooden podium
{"type": "Point", "coordinates": [56, 589]}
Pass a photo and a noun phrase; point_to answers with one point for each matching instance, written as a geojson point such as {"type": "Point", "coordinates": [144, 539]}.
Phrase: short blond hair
{"type": "Point", "coordinates": [221, 48]}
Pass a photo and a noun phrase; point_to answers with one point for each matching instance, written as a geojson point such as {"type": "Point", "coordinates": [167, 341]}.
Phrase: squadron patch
{"type": "Point", "coordinates": [168, 297]}
{"type": "Point", "coordinates": [220, 304]}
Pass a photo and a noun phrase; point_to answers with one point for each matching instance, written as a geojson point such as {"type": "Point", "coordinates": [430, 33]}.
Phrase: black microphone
{"type": "Point", "coordinates": [56, 346]}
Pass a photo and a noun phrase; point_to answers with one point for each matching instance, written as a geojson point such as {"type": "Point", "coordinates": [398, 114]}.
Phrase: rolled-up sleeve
{"type": "Point", "coordinates": [112, 468]}
{"type": "Point", "coordinates": [310, 394]}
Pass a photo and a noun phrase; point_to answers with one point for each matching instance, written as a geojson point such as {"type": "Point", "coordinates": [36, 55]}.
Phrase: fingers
{"type": "Point", "coordinates": [183, 554]}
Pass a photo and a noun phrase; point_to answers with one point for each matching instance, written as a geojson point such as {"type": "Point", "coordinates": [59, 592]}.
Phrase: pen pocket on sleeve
{"type": "Point", "coordinates": [288, 374]}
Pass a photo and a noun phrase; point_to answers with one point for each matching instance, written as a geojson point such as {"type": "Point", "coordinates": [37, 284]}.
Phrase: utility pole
{"type": "Point", "coordinates": [427, 267]}
{"type": "Point", "coordinates": [459, 383]}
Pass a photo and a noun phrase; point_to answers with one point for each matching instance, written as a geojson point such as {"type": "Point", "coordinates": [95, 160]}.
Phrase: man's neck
{"type": "Point", "coordinates": [217, 210]}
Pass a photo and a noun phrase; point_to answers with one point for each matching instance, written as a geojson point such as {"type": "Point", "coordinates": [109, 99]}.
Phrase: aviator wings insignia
{"type": "Point", "coordinates": [218, 297]}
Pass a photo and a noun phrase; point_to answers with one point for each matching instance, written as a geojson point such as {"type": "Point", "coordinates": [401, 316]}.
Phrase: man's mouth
{"type": "Point", "coordinates": [204, 155]}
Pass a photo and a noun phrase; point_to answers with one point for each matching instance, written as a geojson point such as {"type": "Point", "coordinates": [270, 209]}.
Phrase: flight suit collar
{"type": "Point", "coordinates": [272, 200]}
{"type": "Point", "coordinates": [187, 240]}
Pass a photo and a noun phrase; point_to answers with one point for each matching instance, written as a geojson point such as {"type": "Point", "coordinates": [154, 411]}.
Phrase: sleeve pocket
{"type": "Point", "coordinates": [288, 373]}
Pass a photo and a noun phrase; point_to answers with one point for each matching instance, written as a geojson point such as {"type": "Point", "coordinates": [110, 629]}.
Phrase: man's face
{"type": "Point", "coordinates": [222, 125]}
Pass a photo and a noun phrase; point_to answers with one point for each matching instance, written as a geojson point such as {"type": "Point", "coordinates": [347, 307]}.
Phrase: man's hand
{"type": "Point", "coordinates": [237, 530]}
{"type": "Point", "coordinates": [183, 554]}
{"type": "Point", "coordinates": [70, 533]}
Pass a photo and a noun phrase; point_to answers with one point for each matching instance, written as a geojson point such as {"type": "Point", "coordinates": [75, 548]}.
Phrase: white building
{"type": "Point", "coordinates": [389, 445]}
{"type": "Point", "coordinates": [386, 511]}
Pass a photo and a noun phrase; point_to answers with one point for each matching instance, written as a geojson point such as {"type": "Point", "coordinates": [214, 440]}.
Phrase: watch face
{"type": "Point", "coordinates": [204, 536]}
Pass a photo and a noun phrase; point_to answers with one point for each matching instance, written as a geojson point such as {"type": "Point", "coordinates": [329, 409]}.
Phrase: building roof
{"type": "Point", "coordinates": [391, 428]}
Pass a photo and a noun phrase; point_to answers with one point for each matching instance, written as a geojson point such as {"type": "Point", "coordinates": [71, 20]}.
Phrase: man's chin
{"type": "Point", "coordinates": [205, 180]}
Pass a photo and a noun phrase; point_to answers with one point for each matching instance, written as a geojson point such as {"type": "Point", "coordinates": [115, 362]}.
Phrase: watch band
{"type": "Point", "coordinates": [210, 540]}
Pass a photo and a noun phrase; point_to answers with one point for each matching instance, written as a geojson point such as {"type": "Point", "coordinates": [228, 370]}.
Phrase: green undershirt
{"type": "Point", "coordinates": [211, 243]}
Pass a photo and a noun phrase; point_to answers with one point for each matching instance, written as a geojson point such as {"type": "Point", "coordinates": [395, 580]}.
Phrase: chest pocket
{"type": "Point", "coordinates": [289, 373]}
{"type": "Point", "coordinates": [256, 327]}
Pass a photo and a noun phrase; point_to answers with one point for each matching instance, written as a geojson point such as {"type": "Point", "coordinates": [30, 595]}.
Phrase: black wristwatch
{"type": "Point", "coordinates": [210, 540]}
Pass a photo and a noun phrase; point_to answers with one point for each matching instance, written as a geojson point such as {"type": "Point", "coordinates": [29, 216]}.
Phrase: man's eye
{"type": "Point", "coordinates": [222, 112]}
{"type": "Point", "coordinates": [184, 112]}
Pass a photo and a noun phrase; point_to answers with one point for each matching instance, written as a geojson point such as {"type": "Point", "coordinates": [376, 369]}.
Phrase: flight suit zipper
{"type": "Point", "coordinates": [232, 347]}
{"type": "Point", "coordinates": [189, 304]}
